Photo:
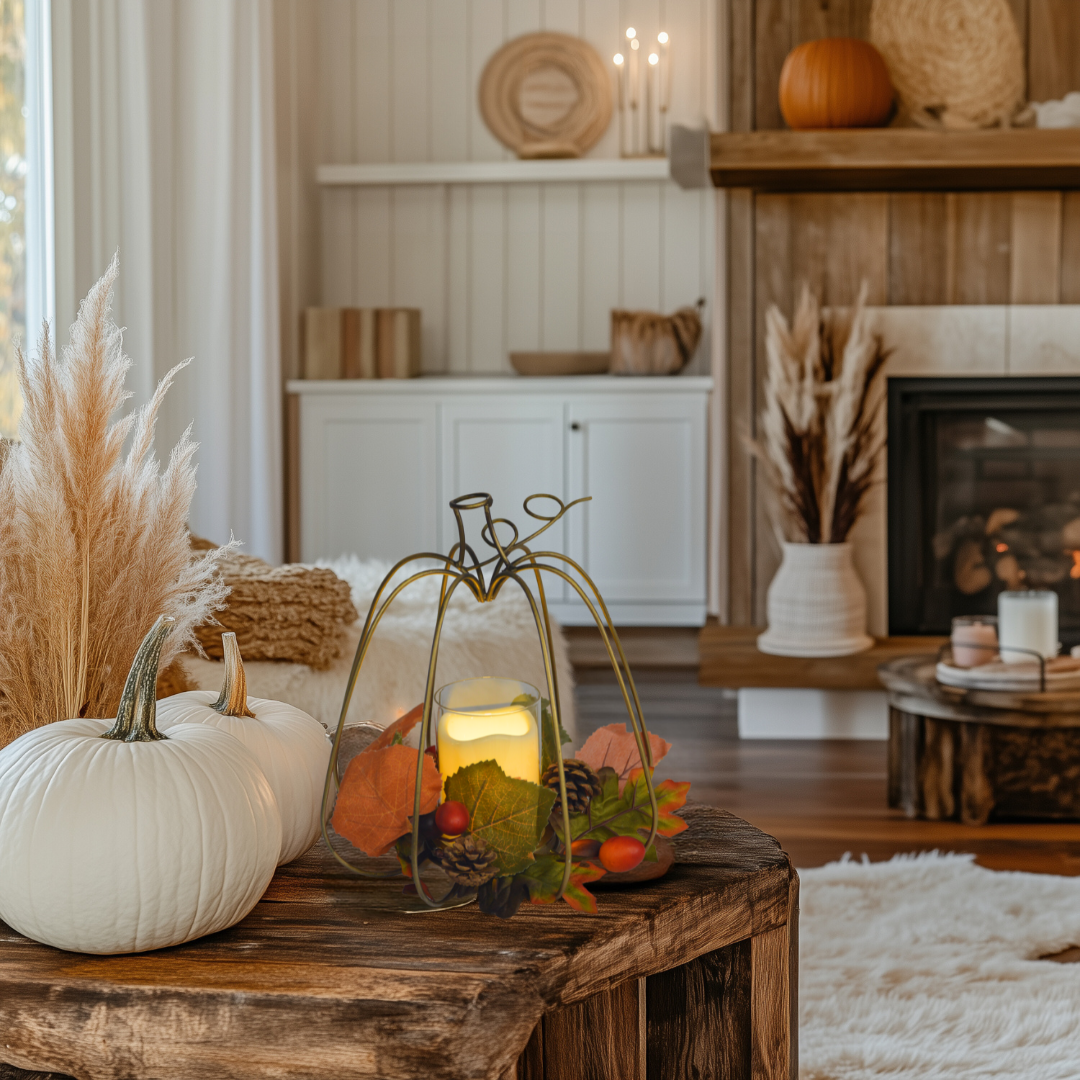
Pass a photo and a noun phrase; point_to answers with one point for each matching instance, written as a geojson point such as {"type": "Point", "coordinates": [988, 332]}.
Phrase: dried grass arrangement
{"type": "Point", "coordinates": [93, 541]}
{"type": "Point", "coordinates": [820, 436]}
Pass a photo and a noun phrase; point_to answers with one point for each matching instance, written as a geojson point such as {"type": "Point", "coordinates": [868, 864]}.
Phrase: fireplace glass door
{"type": "Point", "coordinates": [984, 495]}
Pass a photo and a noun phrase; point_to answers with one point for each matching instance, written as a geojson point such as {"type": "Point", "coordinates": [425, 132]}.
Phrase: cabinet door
{"type": "Point", "coordinates": [368, 480]}
{"type": "Point", "coordinates": [642, 537]}
{"type": "Point", "coordinates": [510, 447]}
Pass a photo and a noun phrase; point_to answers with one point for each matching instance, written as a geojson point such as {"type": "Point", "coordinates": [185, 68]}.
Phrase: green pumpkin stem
{"type": "Point", "coordinates": [136, 719]}
{"type": "Point", "coordinates": [232, 701]}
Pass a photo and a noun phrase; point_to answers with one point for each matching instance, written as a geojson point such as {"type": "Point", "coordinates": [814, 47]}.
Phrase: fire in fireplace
{"type": "Point", "coordinates": [984, 495]}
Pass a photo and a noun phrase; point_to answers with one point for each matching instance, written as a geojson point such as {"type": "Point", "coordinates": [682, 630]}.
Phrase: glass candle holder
{"type": "Point", "coordinates": [1027, 620]}
{"type": "Point", "coordinates": [974, 640]}
{"type": "Point", "coordinates": [489, 719]}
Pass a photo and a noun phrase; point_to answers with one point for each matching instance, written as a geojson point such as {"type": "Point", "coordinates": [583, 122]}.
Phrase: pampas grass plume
{"type": "Point", "coordinates": [820, 435]}
{"type": "Point", "coordinates": [93, 540]}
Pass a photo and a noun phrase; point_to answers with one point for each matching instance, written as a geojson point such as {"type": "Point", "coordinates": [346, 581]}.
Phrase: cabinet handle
{"type": "Point", "coordinates": [575, 426]}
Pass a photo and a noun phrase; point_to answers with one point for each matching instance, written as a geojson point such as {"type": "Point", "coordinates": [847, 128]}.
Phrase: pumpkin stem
{"type": "Point", "coordinates": [232, 701]}
{"type": "Point", "coordinates": [136, 719]}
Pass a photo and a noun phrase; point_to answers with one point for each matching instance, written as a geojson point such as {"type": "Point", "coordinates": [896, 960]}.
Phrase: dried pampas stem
{"type": "Point", "coordinates": [93, 542]}
{"type": "Point", "coordinates": [820, 437]}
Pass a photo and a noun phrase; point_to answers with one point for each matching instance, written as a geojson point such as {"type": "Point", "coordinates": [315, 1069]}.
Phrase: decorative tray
{"type": "Point", "coordinates": [1062, 673]}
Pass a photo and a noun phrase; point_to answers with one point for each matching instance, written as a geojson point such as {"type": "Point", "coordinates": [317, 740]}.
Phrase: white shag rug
{"type": "Point", "coordinates": [926, 968]}
{"type": "Point", "coordinates": [498, 638]}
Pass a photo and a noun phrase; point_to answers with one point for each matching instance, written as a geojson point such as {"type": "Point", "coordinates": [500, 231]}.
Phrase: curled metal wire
{"type": "Point", "coordinates": [512, 559]}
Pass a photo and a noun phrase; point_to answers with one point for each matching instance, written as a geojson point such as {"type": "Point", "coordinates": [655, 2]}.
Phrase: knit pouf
{"type": "Point", "coordinates": [954, 63]}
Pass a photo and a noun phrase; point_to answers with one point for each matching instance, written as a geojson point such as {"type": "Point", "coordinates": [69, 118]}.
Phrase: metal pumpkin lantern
{"type": "Point", "coordinates": [493, 722]}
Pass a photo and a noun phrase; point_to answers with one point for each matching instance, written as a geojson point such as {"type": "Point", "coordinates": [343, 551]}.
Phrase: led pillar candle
{"type": "Point", "coordinates": [1027, 620]}
{"type": "Point", "coordinates": [974, 640]}
{"type": "Point", "coordinates": [489, 720]}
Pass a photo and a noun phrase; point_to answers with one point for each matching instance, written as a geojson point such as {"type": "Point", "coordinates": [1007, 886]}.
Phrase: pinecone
{"type": "Point", "coordinates": [468, 860]}
{"type": "Point", "coordinates": [582, 784]}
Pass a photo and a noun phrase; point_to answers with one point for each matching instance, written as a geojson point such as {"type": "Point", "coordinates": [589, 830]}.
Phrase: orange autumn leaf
{"type": "Point", "coordinates": [375, 802]}
{"type": "Point", "coordinates": [616, 748]}
{"type": "Point", "coordinates": [401, 726]}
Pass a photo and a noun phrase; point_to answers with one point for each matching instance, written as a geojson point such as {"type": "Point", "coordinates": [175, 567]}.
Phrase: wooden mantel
{"type": "Point", "coordinates": [897, 159]}
{"type": "Point", "coordinates": [730, 658]}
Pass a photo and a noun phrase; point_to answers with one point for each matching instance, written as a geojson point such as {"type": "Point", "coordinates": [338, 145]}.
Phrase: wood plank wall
{"type": "Point", "coordinates": [912, 248]}
{"type": "Point", "coordinates": [499, 267]}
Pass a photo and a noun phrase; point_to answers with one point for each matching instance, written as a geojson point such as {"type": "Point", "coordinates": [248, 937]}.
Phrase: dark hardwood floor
{"type": "Point", "coordinates": [819, 798]}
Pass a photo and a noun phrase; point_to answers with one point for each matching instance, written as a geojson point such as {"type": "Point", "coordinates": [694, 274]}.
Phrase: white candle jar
{"type": "Point", "coordinates": [1027, 620]}
{"type": "Point", "coordinates": [489, 719]}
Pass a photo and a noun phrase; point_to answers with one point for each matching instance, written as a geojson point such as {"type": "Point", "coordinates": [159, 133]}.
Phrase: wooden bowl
{"type": "Point", "coordinates": [560, 363]}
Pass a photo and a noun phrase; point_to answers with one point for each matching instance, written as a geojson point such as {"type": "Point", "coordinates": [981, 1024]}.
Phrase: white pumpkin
{"type": "Point", "coordinates": [291, 747]}
{"type": "Point", "coordinates": [115, 838]}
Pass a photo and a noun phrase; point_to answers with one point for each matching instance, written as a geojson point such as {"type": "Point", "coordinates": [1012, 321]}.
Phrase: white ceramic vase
{"type": "Point", "coordinates": [816, 604]}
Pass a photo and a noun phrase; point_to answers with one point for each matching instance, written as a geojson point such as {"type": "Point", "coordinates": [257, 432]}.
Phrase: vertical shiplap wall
{"type": "Point", "coordinates": [499, 267]}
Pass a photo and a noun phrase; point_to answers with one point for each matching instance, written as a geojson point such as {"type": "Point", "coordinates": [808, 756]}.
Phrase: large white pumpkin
{"type": "Point", "coordinates": [291, 747]}
{"type": "Point", "coordinates": [116, 839]}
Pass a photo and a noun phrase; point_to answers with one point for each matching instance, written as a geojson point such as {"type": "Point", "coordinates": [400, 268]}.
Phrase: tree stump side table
{"type": "Point", "coordinates": [972, 754]}
{"type": "Point", "coordinates": [694, 975]}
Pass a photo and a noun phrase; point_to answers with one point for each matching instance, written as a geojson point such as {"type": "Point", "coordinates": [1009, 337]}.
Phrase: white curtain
{"type": "Point", "coordinates": [164, 136]}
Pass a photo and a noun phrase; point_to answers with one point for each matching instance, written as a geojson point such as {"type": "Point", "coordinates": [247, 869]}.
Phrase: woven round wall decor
{"type": "Point", "coordinates": [546, 96]}
{"type": "Point", "coordinates": [954, 63]}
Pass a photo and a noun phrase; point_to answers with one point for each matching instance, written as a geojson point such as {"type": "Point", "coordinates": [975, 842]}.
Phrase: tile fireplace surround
{"type": "Point", "coordinates": [958, 341]}
{"type": "Point", "coordinates": [948, 341]}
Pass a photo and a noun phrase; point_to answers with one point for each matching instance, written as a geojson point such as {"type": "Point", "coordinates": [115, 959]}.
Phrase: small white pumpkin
{"type": "Point", "coordinates": [115, 838]}
{"type": "Point", "coordinates": [291, 747]}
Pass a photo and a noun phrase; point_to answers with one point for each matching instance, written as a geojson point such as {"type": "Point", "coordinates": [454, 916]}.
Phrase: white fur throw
{"type": "Point", "coordinates": [498, 638]}
{"type": "Point", "coordinates": [926, 968]}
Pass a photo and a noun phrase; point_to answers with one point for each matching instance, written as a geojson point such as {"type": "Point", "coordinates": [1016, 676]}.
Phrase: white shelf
{"type": "Point", "coordinates": [503, 384]}
{"type": "Point", "coordinates": [566, 171]}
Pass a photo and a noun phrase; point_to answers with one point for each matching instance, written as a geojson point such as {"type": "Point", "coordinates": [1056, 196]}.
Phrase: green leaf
{"type": "Point", "coordinates": [547, 726]}
{"type": "Point", "coordinates": [544, 876]}
{"type": "Point", "coordinates": [510, 815]}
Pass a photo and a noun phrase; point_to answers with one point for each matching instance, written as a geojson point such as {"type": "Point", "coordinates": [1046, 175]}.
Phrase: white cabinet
{"type": "Point", "coordinates": [380, 461]}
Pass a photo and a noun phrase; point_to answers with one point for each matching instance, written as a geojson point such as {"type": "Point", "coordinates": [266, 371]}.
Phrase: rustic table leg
{"type": "Point", "coordinates": [936, 770]}
{"type": "Point", "coordinates": [905, 744]}
{"type": "Point", "coordinates": [976, 790]}
{"type": "Point", "coordinates": [774, 1013]}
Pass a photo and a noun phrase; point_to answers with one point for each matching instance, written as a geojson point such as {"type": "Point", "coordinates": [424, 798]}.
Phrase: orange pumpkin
{"type": "Point", "coordinates": [835, 83]}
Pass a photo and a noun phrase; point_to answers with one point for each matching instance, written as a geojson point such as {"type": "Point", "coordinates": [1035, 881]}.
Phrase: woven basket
{"type": "Point", "coordinates": [954, 63]}
{"type": "Point", "coordinates": [816, 604]}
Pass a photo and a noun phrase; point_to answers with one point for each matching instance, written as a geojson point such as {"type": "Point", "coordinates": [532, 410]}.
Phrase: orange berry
{"type": "Point", "coordinates": [585, 849]}
{"type": "Point", "coordinates": [621, 853]}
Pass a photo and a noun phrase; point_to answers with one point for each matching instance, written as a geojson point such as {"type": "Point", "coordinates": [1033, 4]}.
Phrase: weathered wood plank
{"type": "Point", "coordinates": [917, 248]}
{"type": "Point", "coordinates": [741, 398]}
{"type": "Point", "coordinates": [698, 1017]}
{"type": "Point", "coordinates": [1053, 48]}
{"type": "Point", "coordinates": [976, 785]}
{"type": "Point", "coordinates": [1036, 247]}
{"type": "Point", "coordinates": [830, 18]}
{"type": "Point", "coordinates": [977, 247]}
{"type": "Point", "coordinates": [1070, 247]}
{"type": "Point", "coordinates": [772, 43]}
{"type": "Point", "coordinates": [936, 769]}
{"type": "Point", "coordinates": [598, 1039]}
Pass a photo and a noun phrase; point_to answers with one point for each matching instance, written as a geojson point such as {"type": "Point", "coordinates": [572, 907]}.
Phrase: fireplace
{"type": "Point", "coordinates": [983, 495]}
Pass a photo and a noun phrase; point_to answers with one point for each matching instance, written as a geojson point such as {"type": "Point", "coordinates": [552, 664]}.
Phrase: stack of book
{"type": "Point", "coordinates": [361, 343]}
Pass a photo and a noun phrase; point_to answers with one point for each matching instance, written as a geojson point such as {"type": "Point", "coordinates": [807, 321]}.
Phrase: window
{"type": "Point", "coordinates": [13, 170]}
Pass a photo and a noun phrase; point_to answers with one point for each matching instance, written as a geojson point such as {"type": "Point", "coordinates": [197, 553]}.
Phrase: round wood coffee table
{"type": "Point", "coordinates": [692, 975]}
{"type": "Point", "coordinates": [973, 754]}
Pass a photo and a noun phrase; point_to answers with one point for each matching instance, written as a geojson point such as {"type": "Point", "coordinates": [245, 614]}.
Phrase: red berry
{"type": "Point", "coordinates": [621, 853]}
{"type": "Point", "coordinates": [452, 818]}
{"type": "Point", "coordinates": [585, 849]}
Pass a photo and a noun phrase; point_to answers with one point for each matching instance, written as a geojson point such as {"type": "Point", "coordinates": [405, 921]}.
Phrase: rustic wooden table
{"type": "Point", "coordinates": [970, 754]}
{"type": "Point", "coordinates": [693, 975]}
